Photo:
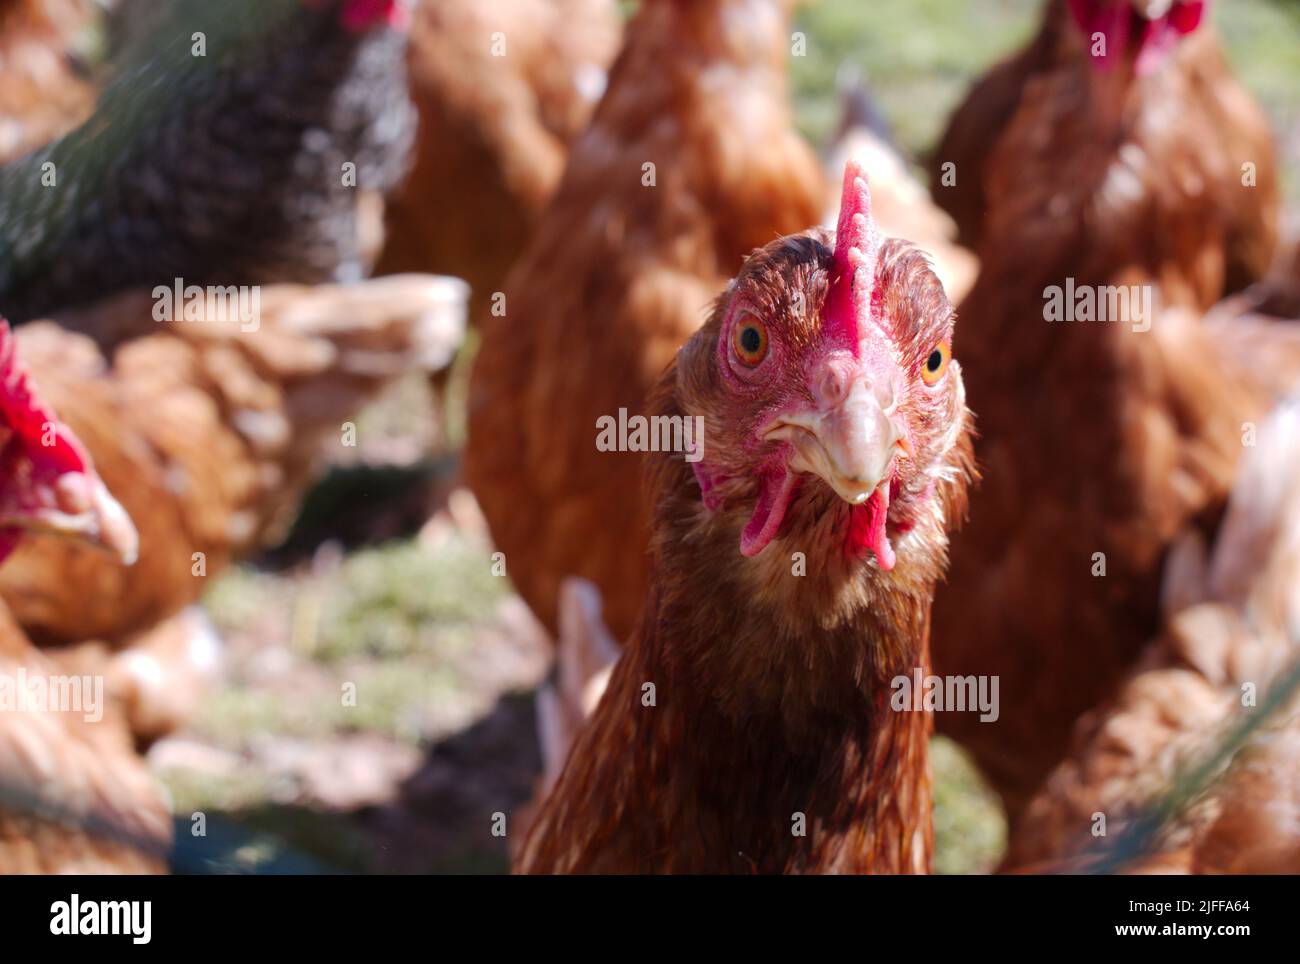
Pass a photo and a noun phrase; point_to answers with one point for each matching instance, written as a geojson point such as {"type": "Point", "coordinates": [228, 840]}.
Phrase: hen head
{"type": "Point", "coordinates": [47, 481]}
{"type": "Point", "coordinates": [834, 415]}
{"type": "Point", "coordinates": [359, 16]}
{"type": "Point", "coordinates": [1145, 30]}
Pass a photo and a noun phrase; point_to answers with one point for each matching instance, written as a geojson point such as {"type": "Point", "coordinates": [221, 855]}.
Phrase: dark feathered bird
{"type": "Point", "coordinates": [237, 143]}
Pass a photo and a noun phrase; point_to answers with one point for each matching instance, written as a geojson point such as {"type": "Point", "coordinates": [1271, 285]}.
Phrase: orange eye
{"type": "Point", "coordinates": [749, 341]}
{"type": "Point", "coordinates": [936, 364]}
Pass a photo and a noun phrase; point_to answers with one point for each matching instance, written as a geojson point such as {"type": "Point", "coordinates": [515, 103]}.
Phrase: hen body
{"type": "Point", "coordinates": [502, 90]}
{"type": "Point", "coordinates": [211, 434]}
{"type": "Point", "coordinates": [226, 168]}
{"type": "Point", "coordinates": [1096, 437]}
{"type": "Point", "coordinates": [618, 276]}
{"type": "Point", "coordinates": [74, 797]}
{"type": "Point", "coordinates": [1231, 630]}
{"type": "Point", "coordinates": [1216, 128]}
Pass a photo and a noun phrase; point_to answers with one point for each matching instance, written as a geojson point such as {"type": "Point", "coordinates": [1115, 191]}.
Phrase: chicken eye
{"type": "Point", "coordinates": [750, 341]}
{"type": "Point", "coordinates": [936, 364]}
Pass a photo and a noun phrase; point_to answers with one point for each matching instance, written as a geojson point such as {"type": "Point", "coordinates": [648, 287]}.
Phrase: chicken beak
{"type": "Point", "coordinates": [79, 506]}
{"type": "Point", "coordinates": [851, 444]}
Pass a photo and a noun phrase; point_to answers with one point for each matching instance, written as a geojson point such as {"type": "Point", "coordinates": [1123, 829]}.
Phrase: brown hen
{"type": "Point", "coordinates": [663, 197]}
{"type": "Point", "coordinates": [753, 723]}
{"type": "Point", "coordinates": [1100, 439]}
{"type": "Point", "coordinates": [1219, 125]}
{"type": "Point", "coordinates": [1232, 627]}
{"type": "Point", "coordinates": [502, 90]}
{"type": "Point", "coordinates": [211, 431]}
{"type": "Point", "coordinates": [74, 797]}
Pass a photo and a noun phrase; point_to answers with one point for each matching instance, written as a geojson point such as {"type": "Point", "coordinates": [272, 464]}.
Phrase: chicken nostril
{"type": "Point", "coordinates": [832, 385]}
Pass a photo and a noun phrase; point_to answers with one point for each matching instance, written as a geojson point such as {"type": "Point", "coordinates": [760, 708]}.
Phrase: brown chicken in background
{"type": "Point", "coordinates": [1192, 89]}
{"type": "Point", "coordinates": [751, 725]}
{"type": "Point", "coordinates": [502, 89]}
{"type": "Point", "coordinates": [1099, 440]}
{"type": "Point", "coordinates": [619, 275]}
{"type": "Point", "coordinates": [211, 433]}
{"type": "Point", "coordinates": [74, 797]}
{"type": "Point", "coordinates": [1232, 617]}
{"type": "Point", "coordinates": [44, 92]}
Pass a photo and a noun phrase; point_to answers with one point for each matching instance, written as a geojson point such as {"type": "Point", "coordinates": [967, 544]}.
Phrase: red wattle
{"type": "Point", "coordinates": [775, 487]}
{"type": "Point", "coordinates": [867, 529]}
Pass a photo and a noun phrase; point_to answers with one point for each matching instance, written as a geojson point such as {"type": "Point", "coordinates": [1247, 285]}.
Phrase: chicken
{"type": "Point", "coordinates": [256, 162]}
{"type": "Point", "coordinates": [1100, 439]}
{"type": "Point", "coordinates": [42, 90]}
{"type": "Point", "coordinates": [794, 567]}
{"type": "Point", "coordinates": [502, 89]}
{"type": "Point", "coordinates": [1232, 630]}
{"type": "Point", "coordinates": [1182, 119]}
{"type": "Point", "coordinates": [662, 198]}
{"type": "Point", "coordinates": [210, 430]}
{"type": "Point", "coordinates": [74, 798]}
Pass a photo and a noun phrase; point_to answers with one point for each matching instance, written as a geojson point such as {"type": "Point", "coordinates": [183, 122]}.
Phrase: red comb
{"type": "Point", "coordinates": [857, 245]}
{"type": "Point", "coordinates": [28, 418]}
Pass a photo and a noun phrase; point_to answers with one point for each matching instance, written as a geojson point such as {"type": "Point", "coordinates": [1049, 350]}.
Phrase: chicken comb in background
{"type": "Point", "coordinates": [1184, 119]}
{"type": "Point", "coordinates": [50, 481]}
{"type": "Point", "coordinates": [262, 160]}
{"type": "Point", "coordinates": [831, 411]}
{"type": "Point", "coordinates": [1143, 30]}
{"type": "Point", "coordinates": [663, 197]}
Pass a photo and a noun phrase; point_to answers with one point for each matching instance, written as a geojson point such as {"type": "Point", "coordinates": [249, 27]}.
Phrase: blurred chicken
{"type": "Point", "coordinates": [1099, 439]}
{"type": "Point", "coordinates": [1182, 82]}
{"type": "Point", "coordinates": [1232, 625]}
{"type": "Point", "coordinates": [74, 797]}
{"type": "Point", "coordinates": [502, 90]}
{"type": "Point", "coordinates": [903, 208]}
{"type": "Point", "coordinates": [43, 90]}
{"type": "Point", "coordinates": [210, 431]}
{"type": "Point", "coordinates": [257, 162]}
{"type": "Point", "coordinates": [663, 197]}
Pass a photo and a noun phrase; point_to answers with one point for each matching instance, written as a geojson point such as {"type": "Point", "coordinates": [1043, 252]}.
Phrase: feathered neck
{"type": "Point", "coordinates": [736, 738]}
